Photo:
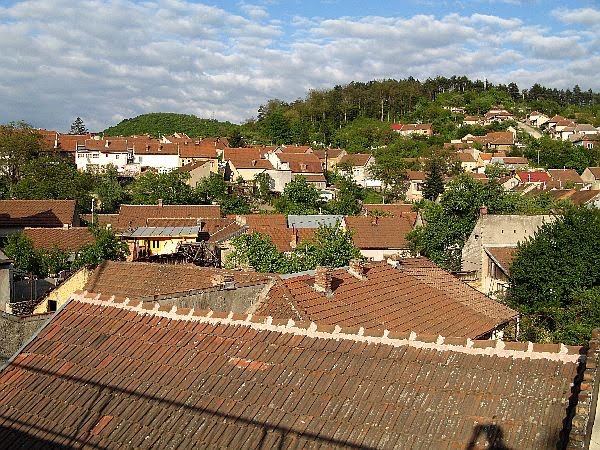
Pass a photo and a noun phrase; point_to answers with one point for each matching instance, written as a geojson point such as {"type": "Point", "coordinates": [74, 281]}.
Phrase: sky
{"type": "Point", "coordinates": [107, 60]}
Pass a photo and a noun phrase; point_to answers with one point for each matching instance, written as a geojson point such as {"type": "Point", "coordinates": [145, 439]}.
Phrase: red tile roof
{"type": "Point", "coordinates": [133, 216]}
{"type": "Point", "coordinates": [424, 299]}
{"type": "Point", "coordinates": [154, 148]}
{"type": "Point", "coordinates": [37, 213]}
{"type": "Point", "coordinates": [106, 145]}
{"type": "Point", "coordinates": [197, 150]}
{"type": "Point", "coordinates": [67, 239]}
{"type": "Point", "coordinates": [114, 375]}
{"type": "Point", "coordinates": [394, 209]}
{"type": "Point", "coordinates": [144, 280]}
{"type": "Point", "coordinates": [387, 232]}
{"type": "Point", "coordinates": [502, 256]}
{"type": "Point", "coordinates": [356, 159]}
{"type": "Point", "coordinates": [533, 177]}
{"type": "Point", "coordinates": [302, 162]}
{"type": "Point", "coordinates": [565, 175]}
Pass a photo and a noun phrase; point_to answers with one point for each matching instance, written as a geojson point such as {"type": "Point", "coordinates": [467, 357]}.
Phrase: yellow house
{"type": "Point", "coordinates": [146, 242]}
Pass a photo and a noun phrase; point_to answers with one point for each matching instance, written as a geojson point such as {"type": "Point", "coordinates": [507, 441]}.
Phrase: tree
{"type": "Point", "coordinates": [254, 250]}
{"type": "Point", "coordinates": [171, 187]}
{"type": "Point", "coordinates": [109, 190]}
{"type": "Point", "coordinates": [39, 262]}
{"type": "Point", "coordinates": [555, 278]}
{"type": "Point", "coordinates": [331, 246]}
{"type": "Point", "coordinates": [263, 182]}
{"type": "Point", "coordinates": [213, 189]}
{"type": "Point", "coordinates": [51, 177]}
{"type": "Point", "coordinates": [19, 143]}
{"type": "Point", "coordinates": [236, 139]}
{"type": "Point", "coordinates": [348, 199]}
{"type": "Point", "coordinates": [106, 246]}
{"type": "Point", "coordinates": [78, 127]}
{"type": "Point", "coordinates": [434, 181]}
{"type": "Point", "coordinates": [298, 197]}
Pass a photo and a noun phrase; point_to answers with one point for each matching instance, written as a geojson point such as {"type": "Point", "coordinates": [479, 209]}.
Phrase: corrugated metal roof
{"type": "Point", "coordinates": [163, 231]}
{"type": "Point", "coordinates": [313, 221]}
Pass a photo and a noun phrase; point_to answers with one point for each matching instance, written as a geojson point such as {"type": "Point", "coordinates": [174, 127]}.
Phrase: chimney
{"type": "Point", "coordinates": [160, 202]}
{"type": "Point", "coordinates": [294, 240]}
{"type": "Point", "coordinates": [483, 210]}
{"type": "Point", "coordinates": [375, 220]}
{"type": "Point", "coordinates": [323, 280]}
{"type": "Point", "coordinates": [357, 269]}
{"type": "Point", "coordinates": [223, 281]}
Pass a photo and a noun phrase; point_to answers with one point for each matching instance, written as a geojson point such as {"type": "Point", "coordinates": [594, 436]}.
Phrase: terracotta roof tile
{"type": "Point", "coordinates": [503, 256]}
{"type": "Point", "coordinates": [67, 239]}
{"type": "Point", "coordinates": [420, 297]}
{"type": "Point", "coordinates": [37, 213]}
{"type": "Point", "coordinates": [292, 388]}
{"type": "Point", "coordinates": [133, 216]}
{"type": "Point", "coordinates": [387, 232]}
{"type": "Point", "coordinates": [356, 159]}
{"type": "Point", "coordinates": [565, 175]}
{"type": "Point", "coordinates": [301, 162]}
{"type": "Point", "coordinates": [150, 279]}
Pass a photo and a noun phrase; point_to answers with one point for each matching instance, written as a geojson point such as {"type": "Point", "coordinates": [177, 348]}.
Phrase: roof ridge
{"type": "Point", "coordinates": [516, 350]}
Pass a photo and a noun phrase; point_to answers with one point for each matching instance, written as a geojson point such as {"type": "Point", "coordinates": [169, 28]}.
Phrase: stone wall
{"type": "Point", "coordinates": [16, 330]}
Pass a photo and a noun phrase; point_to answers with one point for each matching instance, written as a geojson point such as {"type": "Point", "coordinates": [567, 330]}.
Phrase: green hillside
{"type": "Point", "coordinates": [169, 123]}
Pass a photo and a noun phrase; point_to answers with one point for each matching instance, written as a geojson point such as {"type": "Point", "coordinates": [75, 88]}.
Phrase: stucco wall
{"type": "Point", "coordinates": [498, 230]}
{"type": "Point", "coordinates": [64, 291]}
{"type": "Point", "coordinates": [238, 300]}
{"type": "Point", "coordinates": [15, 331]}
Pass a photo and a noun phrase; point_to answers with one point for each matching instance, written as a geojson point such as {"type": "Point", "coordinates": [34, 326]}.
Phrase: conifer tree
{"type": "Point", "coordinates": [434, 181]}
{"type": "Point", "coordinates": [78, 127]}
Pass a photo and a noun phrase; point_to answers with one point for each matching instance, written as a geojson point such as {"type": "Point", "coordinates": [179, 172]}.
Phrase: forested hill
{"type": "Point", "coordinates": [169, 123]}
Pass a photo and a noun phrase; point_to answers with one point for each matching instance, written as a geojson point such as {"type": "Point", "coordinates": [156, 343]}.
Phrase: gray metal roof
{"type": "Point", "coordinates": [163, 231]}
{"type": "Point", "coordinates": [313, 221]}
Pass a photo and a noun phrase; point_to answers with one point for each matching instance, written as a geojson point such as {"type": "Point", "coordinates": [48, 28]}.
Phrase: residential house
{"type": "Point", "coordinates": [358, 166]}
{"type": "Point", "coordinates": [537, 119]}
{"type": "Point", "coordinates": [63, 144]}
{"type": "Point", "coordinates": [586, 197]}
{"type": "Point", "coordinates": [198, 152]}
{"type": "Point", "coordinates": [497, 115]}
{"type": "Point", "coordinates": [15, 215]}
{"type": "Point", "coordinates": [380, 238]}
{"type": "Point", "coordinates": [113, 373]}
{"type": "Point", "coordinates": [198, 170]}
{"type": "Point", "coordinates": [512, 163]}
{"type": "Point", "coordinates": [591, 176]}
{"type": "Point", "coordinates": [330, 157]}
{"type": "Point", "coordinates": [588, 141]}
{"type": "Point", "coordinates": [495, 269]}
{"type": "Point", "coordinates": [417, 296]}
{"type": "Point", "coordinates": [493, 230]}
{"type": "Point", "coordinates": [69, 240]}
{"type": "Point", "coordinates": [408, 129]}
{"type": "Point", "coordinates": [307, 165]}
{"type": "Point", "coordinates": [416, 180]}
{"type": "Point", "coordinates": [472, 120]}
{"type": "Point", "coordinates": [247, 163]}
{"type": "Point", "coordinates": [467, 162]}
{"type": "Point", "coordinates": [150, 243]}
{"type": "Point", "coordinates": [97, 154]}
{"type": "Point", "coordinates": [134, 216]}
{"type": "Point", "coordinates": [565, 178]}
{"type": "Point", "coordinates": [392, 209]}
{"type": "Point", "coordinates": [155, 155]}
{"type": "Point", "coordinates": [500, 140]}
{"type": "Point", "coordinates": [535, 178]}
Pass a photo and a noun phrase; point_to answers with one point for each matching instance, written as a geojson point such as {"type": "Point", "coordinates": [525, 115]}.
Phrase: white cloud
{"type": "Point", "coordinates": [105, 60]}
{"type": "Point", "coordinates": [584, 16]}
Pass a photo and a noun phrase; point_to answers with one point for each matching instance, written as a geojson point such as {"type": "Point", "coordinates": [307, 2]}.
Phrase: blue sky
{"type": "Point", "coordinates": [106, 60]}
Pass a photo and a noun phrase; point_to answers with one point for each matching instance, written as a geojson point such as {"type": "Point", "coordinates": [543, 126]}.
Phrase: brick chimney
{"type": "Point", "coordinates": [375, 220]}
{"type": "Point", "coordinates": [357, 269]}
{"type": "Point", "coordinates": [323, 280]}
{"type": "Point", "coordinates": [483, 210]}
{"type": "Point", "coordinates": [160, 202]}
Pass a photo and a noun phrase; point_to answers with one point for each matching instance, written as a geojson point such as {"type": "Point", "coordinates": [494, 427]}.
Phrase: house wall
{"type": "Point", "coordinates": [239, 300]}
{"type": "Point", "coordinates": [164, 163]}
{"type": "Point", "coordinates": [281, 178]}
{"type": "Point", "coordinates": [5, 286]}
{"type": "Point", "coordinates": [498, 230]}
{"type": "Point", "coordinates": [384, 254]}
{"type": "Point", "coordinates": [199, 173]}
{"type": "Point", "coordinates": [65, 290]}
{"type": "Point", "coordinates": [86, 158]}
{"type": "Point", "coordinates": [15, 331]}
{"type": "Point", "coordinates": [588, 177]}
{"type": "Point", "coordinates": [494, 281]}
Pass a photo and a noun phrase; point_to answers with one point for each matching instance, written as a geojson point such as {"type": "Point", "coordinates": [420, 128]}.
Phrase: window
{"type": "Point", "coordinates": [155, 244]}
{"type": "Point", "coordinates": [117, 156]}
{"type": "Point", "coordinates": [51, 305]}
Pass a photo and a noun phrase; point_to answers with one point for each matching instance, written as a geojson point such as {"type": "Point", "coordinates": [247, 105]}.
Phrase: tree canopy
{"type": "Point", "coordinates": [555, 278]}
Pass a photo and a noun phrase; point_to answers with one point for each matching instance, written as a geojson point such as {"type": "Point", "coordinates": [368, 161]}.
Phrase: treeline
{"type": "Point", "coordinates": [157, 124]}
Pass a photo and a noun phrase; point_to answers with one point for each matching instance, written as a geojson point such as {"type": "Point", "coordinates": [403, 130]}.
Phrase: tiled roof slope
{"type": "Point", "coordinates": [68, 239]}
{"type": "Point", "coordinates": [503, 256]}
{"type": "Point", "coordinates": [436, 277]}
{"type": "Point", "coordinates": [107, 375]}
{"type": "Point", "coordinates": [144, 280]}
{"type": "Point", "coordinates": [37, 213]}
{"type": "Point", "coordinates": [387, 232]}
{"type": "Point", "coordinates": [425, 301]}
{"type": "Point", "coordinates": [133, 216]}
